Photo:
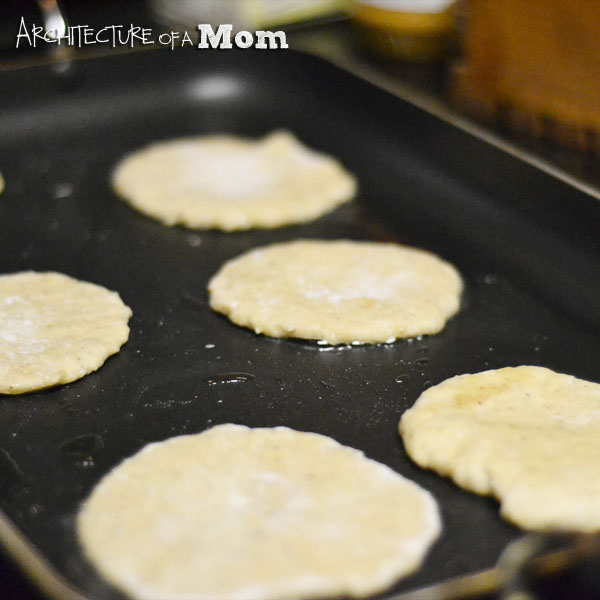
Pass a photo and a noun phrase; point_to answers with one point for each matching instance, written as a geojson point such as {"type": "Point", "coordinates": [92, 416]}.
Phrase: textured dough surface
{"type": "Point", "coordinates": [337, 291]}
{"type": "Point", "coordinates": [526, 435]}
{"type": "Point", "coordinates": [55, 329]}
{"type": "Point", "coordinates": [243, 514]}
{"type": "Point", "coordinates": [232, 183]}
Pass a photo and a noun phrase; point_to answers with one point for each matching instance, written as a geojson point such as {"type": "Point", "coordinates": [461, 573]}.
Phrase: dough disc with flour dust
{"type": "Point", "coordinates": [243, 514]}
{"type": "Point", "coordinates": [230, 183]}
{"type": "Point", "coordinates": [337, 291]}
{"type": "Point", "coordinates": [55, 329]}
{"type": "Point", "coordinates": [526, 435]}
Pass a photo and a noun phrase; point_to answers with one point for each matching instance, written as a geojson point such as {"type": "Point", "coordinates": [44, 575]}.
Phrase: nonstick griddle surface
{"type": "Point", "coordinates": [524, 242]}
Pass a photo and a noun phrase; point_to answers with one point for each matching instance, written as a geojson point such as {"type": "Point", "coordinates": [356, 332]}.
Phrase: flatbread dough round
{"type": "Point", "coordinates": [55, 329]}
{"type": "Point", "coordinates": [242, 514]}
{"type": "Point", "coordinates": [337, 291]}
{"type": "Point", "coordinates": [526, 435]}
{"type": "Point", "coordinates": [1, 183]}
{"type": "Point", "coordinates": [232, 183]}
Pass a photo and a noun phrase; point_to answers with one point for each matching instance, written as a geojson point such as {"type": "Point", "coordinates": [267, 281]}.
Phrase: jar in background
{"type": "Point", "coordinates": [242, 14]}
{"type": "Point", "coordinates": [409, 30]}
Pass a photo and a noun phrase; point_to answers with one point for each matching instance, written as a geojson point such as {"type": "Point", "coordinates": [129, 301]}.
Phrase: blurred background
{"type": "Point", "coordinates": [526, 72]}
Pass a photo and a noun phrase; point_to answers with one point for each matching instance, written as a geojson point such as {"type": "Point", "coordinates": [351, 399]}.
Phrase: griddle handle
{"type": "Point", "coordinates": [523, 561]}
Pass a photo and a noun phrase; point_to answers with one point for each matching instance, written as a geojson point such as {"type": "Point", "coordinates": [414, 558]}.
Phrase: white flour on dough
{"type": "Point", "coordinates": [526, 435]}
{"type": "Point", "coordinates": [255, 514]}
{"type": "Point", "coordinates": [337, 291]}
{"type": "Point", "coordinates": [55, 329]}
{"type": "Point", "coordinates": [231, 183]}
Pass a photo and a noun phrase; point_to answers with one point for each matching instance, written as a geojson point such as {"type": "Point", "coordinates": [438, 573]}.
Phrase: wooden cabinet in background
{"type": "Point", "coordinates": [533, 65]}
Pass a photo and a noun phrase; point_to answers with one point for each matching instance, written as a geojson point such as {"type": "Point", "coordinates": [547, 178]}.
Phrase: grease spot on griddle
{"type": "Point", "coordinates": [62, 190]}
{"type": "Point", "coordinates": [220, 378]}
{"type": "Point", "coordinates": [403, 378]}
{"type": "Point", "coordinates": [187, 298]}
{"type": "Point", "coordinates": [12, 479]}
{"type": "Point", "coordinates": [193, 240]}
{"type": "Point", "coordinates": [35, 509]}
{"type": "Point", "coordinates": [84, 449]}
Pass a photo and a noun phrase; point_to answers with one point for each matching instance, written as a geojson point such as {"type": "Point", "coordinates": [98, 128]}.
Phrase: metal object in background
{"type": "Point", "coordinates": [54, 20]}
{"type": "Point", "coordinates": [56, 26]}
{"type": "Point", "coordinates": [525, 242]}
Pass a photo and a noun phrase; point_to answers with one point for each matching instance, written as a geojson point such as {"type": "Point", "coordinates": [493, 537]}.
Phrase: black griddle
{"type": "Point", "coordinates": [526, 244]}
